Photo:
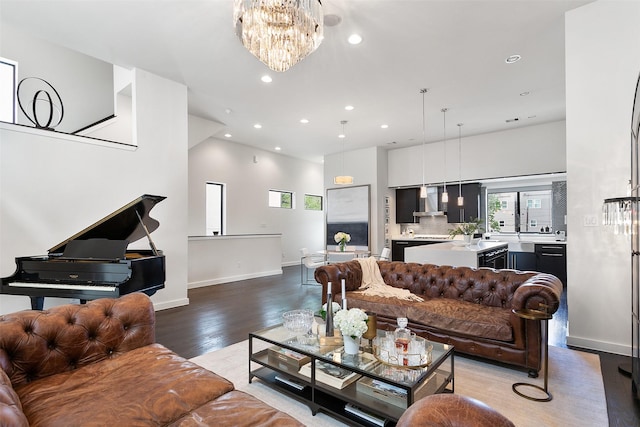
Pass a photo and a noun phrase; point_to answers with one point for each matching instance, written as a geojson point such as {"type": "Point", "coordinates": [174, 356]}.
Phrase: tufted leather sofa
{"type": "Point", "coordinates": [468, 308]}
{"type": "Point", "coordinates": [451, 410]}
{"type": "Point", "coordinates": [97, 365]}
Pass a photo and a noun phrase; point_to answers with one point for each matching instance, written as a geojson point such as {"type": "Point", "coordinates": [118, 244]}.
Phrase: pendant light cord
{"type": "Point", "coordinates": [424, 132]}
{"type": "Point", "coordinates": [444, 131]}
{"type": "Point", "coordinates": [460, 159]}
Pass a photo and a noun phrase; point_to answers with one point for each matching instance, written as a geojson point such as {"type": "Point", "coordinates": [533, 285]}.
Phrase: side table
{"type": "Point", "coordinates": [544, 317]}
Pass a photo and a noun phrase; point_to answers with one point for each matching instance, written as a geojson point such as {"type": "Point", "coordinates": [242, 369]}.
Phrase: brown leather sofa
{"type": "Point", "coordinates": [97, 365]}
{"type": "Point", "coordinates": [468, 308]}
{"type": "Point", "coordinates": [451, 410]}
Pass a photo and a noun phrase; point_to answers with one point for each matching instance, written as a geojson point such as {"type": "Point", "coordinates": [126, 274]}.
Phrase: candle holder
{"type": "Point", "coordinates": [372, 328]}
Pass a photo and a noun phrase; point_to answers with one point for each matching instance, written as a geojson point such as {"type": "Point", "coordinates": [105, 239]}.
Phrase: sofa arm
{"type": "Point", "coordinates": [35, 344]}
{"type": "Point", "coordinates": [537, 292]}
{"type": "Point", "coordinates": [350, 271]}
{"type": "Point", "coordinates": [11, 414]}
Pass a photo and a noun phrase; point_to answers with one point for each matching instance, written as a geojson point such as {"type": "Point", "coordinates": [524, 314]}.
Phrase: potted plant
{"type": "Point", "coordinates": [467, 229]}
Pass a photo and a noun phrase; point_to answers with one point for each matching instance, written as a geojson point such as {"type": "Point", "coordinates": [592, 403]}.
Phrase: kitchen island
{"type": "Point", "coordinates": [484, 253]}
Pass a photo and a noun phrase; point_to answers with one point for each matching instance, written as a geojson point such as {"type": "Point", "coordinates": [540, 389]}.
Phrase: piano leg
{"type": "Point", "coordinates": [37, 303]}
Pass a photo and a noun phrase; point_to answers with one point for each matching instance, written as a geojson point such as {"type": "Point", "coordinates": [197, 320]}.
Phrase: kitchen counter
{"type": "Point", "coordinates": [451, 253]}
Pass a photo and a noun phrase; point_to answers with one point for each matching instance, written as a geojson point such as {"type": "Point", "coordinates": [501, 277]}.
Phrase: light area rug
{"type": "Point", "coordinates": [575, 381]}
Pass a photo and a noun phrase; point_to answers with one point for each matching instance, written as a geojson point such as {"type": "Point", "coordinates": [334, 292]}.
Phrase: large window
{"type": "Point", "coordinates": [214, 209]}
{"type": "Point", "coordinates": [520, 210]}
{"type": "Point", "coordinates": [280, 199]}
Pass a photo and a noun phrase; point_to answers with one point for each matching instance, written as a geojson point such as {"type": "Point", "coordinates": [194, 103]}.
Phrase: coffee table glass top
{"type": "Point", "coordinates": [365, 361]}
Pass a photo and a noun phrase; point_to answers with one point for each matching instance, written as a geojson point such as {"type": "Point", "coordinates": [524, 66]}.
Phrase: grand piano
{"type": "Point", "coordinates": [95, 263]}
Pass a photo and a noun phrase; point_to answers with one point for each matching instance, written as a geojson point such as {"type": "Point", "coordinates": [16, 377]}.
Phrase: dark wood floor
{"type": "Point", "coordinates": [221, 315]}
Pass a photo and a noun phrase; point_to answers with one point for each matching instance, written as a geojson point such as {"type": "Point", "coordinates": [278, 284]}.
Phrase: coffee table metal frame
{"type": "Point", "coordinates": [322, 397]}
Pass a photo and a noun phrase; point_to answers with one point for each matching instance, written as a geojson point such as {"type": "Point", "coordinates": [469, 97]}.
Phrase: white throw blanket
{"type": "Point", "coordinates": [373, 284]}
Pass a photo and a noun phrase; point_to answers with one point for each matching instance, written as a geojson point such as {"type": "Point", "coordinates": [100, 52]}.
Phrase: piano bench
{"type": "Point", "coordinates": [97, 364]}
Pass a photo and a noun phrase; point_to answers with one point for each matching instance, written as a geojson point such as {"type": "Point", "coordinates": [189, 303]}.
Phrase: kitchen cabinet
{"type": "Point", "coordinates": [398, 247]}
{"type": "Point", "coordinates": [407, 202]}
{"type": "Point", "coordinates": [523, 261]}
{"type": "Point", "coordinates": [471, 208]}
{"type": "Point", "coordinates": [552, 258]}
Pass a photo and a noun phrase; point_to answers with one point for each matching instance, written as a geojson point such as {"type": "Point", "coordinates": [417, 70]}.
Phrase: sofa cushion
{"type": "Point", "coordinates": [448, 315]}
{"type": "Point", "coordinates": [236, 409]}
{"type": "Point", "coordinates": [146, 386]}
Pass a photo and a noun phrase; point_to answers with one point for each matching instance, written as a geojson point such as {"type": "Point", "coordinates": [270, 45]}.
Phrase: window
{"type": "Point", "coordinates": [534, 203]}
{"type": "Point", "coordinates": [521, 209]}
{"type": "Point", "coordinates": [280, 199]}
{"type": "Point", "coordinates": [312, 203]}
{"type": "Point", "coordinates": [215, 209]}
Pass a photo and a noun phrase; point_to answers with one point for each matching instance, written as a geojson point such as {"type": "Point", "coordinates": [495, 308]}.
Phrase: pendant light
{"type": "Point", "coordinates": [445, 195]}
{"type": "Point", "coordinates": [460, 198]}
{"type": "Point", "coordinates": [423, 189]}
{"type": "Point", "coordinates": [343, 179]}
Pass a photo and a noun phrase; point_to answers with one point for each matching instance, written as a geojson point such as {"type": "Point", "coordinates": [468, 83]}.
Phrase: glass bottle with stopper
{"type": "Point", "coordinates": [402, 336]}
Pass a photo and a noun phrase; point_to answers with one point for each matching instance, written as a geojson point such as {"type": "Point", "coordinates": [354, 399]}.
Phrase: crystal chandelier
{"type": "Point", "coordinates": [280, 33]}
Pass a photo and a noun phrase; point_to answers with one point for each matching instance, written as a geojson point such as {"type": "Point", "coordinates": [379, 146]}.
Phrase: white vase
{"type": "Point", "coordinates": [468, 238]}
{"type": "Point", "coordinates": [351, 346]}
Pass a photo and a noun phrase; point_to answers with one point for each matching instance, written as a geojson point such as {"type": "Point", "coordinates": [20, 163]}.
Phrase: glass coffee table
{"type": "Point", "coordinates": [356, 389]}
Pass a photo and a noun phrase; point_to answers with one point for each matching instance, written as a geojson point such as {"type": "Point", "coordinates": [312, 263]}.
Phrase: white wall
{"type": "Point", "coordinates": [52, 188]}
{"type": "Point", "coordinates": [247, 186]}
{"type": "Point", "coordinates": [368, 167]}
{"type": "Point", "coordinates": [85, 84]}
{"type": "Point", "coordinates": [526, 150]}
{"type": "Point", "coordinates": [602, 65]}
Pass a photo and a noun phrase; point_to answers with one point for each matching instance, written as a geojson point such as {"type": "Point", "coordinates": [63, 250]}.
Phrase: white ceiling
{"type": "Point", "coordinates": [455, 48]}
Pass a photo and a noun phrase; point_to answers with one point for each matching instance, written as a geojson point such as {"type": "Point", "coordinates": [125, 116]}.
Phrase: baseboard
{"type": "Point", "coordinates": [170, 304]}
{"type": "Point", "coordinates": [604, 346]}
{"type": "Point", "coordinates": [228, 279]}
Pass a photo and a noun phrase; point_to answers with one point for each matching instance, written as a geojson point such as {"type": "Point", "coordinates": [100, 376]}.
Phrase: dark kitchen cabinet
{"type": "Point", "coordinates": [523, 261]}
{"type": "Point", "coordinates": [407, 202]}
{"type": "Point", "coordinates": [552, 258]}
{"type": "Point", "coordinates": [471, 208]}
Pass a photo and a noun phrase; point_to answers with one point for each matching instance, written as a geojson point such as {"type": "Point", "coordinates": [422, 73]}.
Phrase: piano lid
{"type": "Point", "coordinates": [122, 224]}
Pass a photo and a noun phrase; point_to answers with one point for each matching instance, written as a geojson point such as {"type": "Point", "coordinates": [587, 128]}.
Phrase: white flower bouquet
{"type": "Point", "coordinates": [323, 311]}
{"type": "Point", "coordinates": [352, 322]}
{"type": "Point", "coordinates": [342, 238]}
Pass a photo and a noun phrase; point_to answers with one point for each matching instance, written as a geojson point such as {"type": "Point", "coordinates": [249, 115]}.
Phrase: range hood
{"type": "Point", "coordinates": [430, 207]}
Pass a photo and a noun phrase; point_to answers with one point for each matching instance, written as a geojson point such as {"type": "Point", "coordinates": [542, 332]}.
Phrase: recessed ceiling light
{"type": "Point", "coordinates": [257, 126]}
{"type": "Point", "coordinates": [524, 93]}
{"type": "Point", "coordinates": [266, 79]}
{"type": "Point", "coordinates": [384, 126]}
{"type": "Point", "coordinates": [304, 121]}
{"type": "Point", "coordinates": [278, 148]}
{"type": "Point", "coordinates": [228, 135]}
{"type": "Point", "coordinates": [513, 58]}
{"type": "Point", "coordinates": [342, 135]}
{"type": "Point", "coordinates": [355, 39]}
{"type": "Point", "coordinates": [349, 107]}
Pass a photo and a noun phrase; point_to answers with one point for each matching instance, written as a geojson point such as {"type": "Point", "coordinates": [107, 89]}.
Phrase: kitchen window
{"type": "Point", "coordinates": [520, 210]}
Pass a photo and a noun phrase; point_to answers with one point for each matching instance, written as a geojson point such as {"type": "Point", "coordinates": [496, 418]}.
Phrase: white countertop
{"type": "Point", "coordinates": [450, 253]}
